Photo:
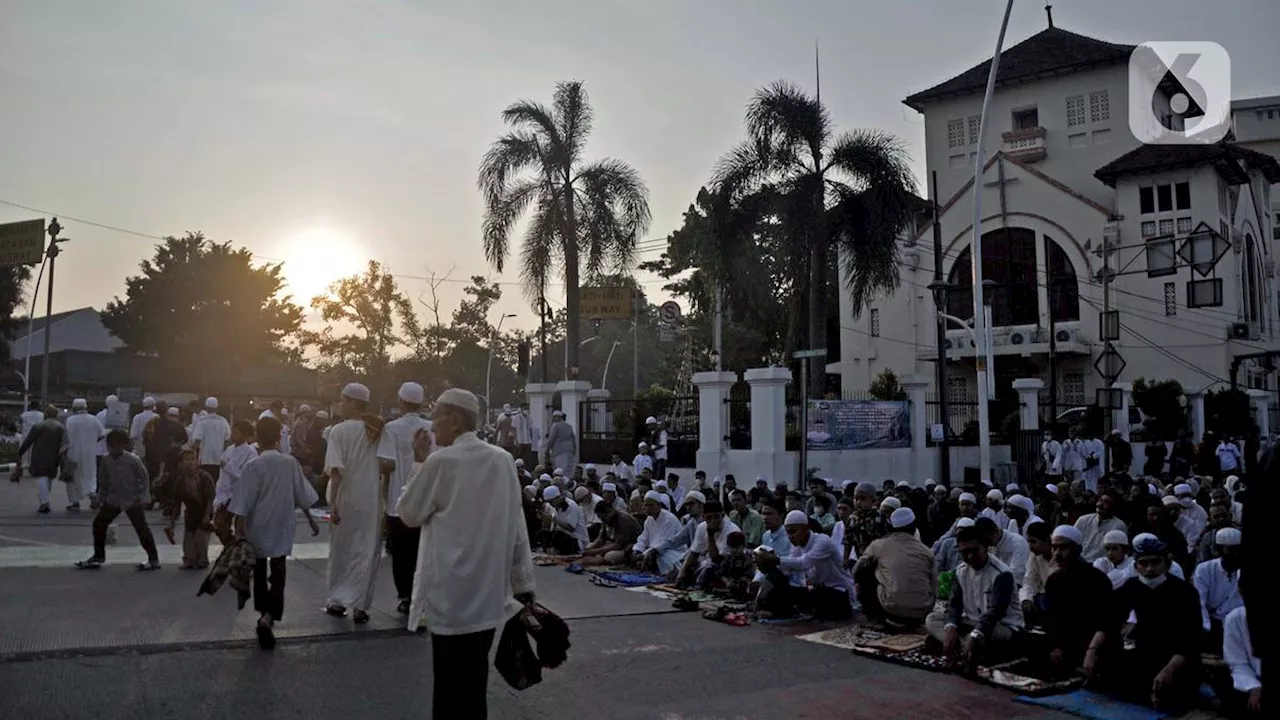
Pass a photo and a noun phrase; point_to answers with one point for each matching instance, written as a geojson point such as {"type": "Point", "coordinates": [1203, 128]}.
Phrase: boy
{"type": "Point", "coordinates": [192, 489]}
{"type": "Point", "coordinates": [124, 487]}
{"type": "Point", "coordinates": [271, 487]}
{"type": "Point", "coordinates": [232, 465]}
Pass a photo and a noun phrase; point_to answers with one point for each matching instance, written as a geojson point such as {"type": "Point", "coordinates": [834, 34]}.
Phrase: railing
{"type": "Point", "coordinates": [1027, 145]}
{"type": "Point", "coordinates": [625, 428]}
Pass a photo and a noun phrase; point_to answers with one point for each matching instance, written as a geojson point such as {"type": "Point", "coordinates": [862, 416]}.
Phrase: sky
{"type": "Point", "coordinates": [325, 133]}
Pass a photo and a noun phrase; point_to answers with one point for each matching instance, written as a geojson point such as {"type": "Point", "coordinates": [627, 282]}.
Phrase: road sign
{"type": "Point", "coordinates": [21, 243]}
{"type": "Point", "coordinates": [801, 354]}
{"type": "Point", "coordinates": [606, 303]}
{"type": "Point", "coordinates": [1203, 248]}
{"type": "Point", "coordinates": [669, 311]}
{"type": "Point", "coordinates": [667, 332]}
{"type": "Point", "coordinates": [1109, 364]}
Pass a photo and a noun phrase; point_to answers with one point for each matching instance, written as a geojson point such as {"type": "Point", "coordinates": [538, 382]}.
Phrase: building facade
{"type": "Point", "coordinates": [1190, 229]}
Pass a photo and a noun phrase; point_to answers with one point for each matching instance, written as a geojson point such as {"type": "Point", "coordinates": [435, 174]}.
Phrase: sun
{"type": "Point", "coordinates": [315, 257]}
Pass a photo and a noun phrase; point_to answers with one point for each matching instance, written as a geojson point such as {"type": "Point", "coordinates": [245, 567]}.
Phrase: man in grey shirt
{"type": "Point", "coordinates": [124, 487]}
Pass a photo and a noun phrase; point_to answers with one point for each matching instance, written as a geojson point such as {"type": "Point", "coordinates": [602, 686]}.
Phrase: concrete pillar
{"type": "Point", "coordinates": [769, 423]}
{"type": "Point", "coordinates": [1029, 402]}
{"type": "Point", "coordinates": [1195, 408]}
{"type": "Point", "coordinates": [1261, 400]}
{"type": "Point", "coordinates": [539, 396]}
{"type": "Point", "coordinates": [713, 419]}
{"type": "Point", "coordinates": [916, 385]}
{"type": "Point", "coordinates": [598, 410]}
{"type": "Point", "coordinates": [1120, 418]}
{"type": "Point", "coordinates": [573, 393]}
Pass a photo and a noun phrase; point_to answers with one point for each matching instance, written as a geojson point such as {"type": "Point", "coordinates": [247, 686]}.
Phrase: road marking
{"type": "Point", "coordinates": [25, 541]}
{"type": "Point", "coordinates": [47, 556]}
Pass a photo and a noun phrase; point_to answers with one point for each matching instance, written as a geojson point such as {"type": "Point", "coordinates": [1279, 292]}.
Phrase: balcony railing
{"type": "Point", "coordinates": [1027, 145]}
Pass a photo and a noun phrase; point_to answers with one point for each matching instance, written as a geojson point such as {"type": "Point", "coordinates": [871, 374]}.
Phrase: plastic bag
{"type": "Point", "coordinates": [515, 660]}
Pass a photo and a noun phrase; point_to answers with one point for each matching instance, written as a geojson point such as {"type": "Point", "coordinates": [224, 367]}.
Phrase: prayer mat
{"type": "Point", "coordinates": [793, 620]}
{"type": "Point", "coordinates": [1018, 676]}
{"type": "Point", "coordinates": [630, 579]}
{"type": "Point", "coordinates": [547, 559]}
{"type": "Point", "coordinates": [1093, 705]}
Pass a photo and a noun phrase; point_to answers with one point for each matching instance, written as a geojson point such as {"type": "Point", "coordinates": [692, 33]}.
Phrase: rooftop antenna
{"type": "Point", "coordinates": [1048, 10]}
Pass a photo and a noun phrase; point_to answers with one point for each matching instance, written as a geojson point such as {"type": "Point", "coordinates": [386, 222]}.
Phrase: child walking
{"type": "Point", "coordinates": [234, 459]}
{"type": "Point", "coordinates": [191, 490]}
{"type": "Point", "coordinates": [271, 488]}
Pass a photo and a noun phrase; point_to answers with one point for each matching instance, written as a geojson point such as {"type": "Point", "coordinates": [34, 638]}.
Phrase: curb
{"type": "Point", "coordinates": [7, 467]}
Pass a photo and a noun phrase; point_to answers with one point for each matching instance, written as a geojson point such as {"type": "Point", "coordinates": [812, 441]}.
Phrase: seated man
{"type": "Point", "coordinates": [1022, 512]}
{"type": "Point", "coordinates": [822, 513]}
{"type": "Point", "coordinates": [982, 606]}
{"type": "Point", "coordinates": [660, 526]}
{"type": "Point", "coordinates": [894, 578]}
{"type": "Point", "coordinates": [736, 569]}
{"type": "Point", "coordinates": [618, 533]}
{"type": "Point", "coordinates": [1116, 563]}
{"type": "Point", "coordinates": [566, 532]}
{"type": "Point", "coordinates": [1009, 547]}
{"type": "Point", "coordinates": [1163, 669]}
{"type": "Point", "coordinates": [1217, 583]}
{"type": "Point", "coordinates": [1245, 697]}
{"type": "Point", "coordinates": [1077, 603]}
{"type": "Point", "coordinates": [946, 553]}
{"type": "Point", "coordinates": [1206, 545]}
{"type": "Point", "coordinates": [745, 517]}
{"type": "Point", "coordinates": [1039, 567]}
{"type": "Point", "coordinates": [587, 501]}
{"type": "Point", "coordinates": [609, 493]}
{"type": "Point", "coordinates": [865, 524]}
{"type": "Point", "coordinates": [710, 545]}
{"type": "Point", "coordinates": [829, 586]}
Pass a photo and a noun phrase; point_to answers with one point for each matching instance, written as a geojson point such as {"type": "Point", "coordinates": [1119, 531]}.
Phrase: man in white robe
{"type": "Point", "coordinates": [360, 453]}
{"type": "Point", "coordinates": [83, 434]}
{"type": "Point", "coordinates": [402, 540]}
{"type": "Point", "coordinates": [475, 568]}
{"type": "Point", "coordinates": [139, 426]}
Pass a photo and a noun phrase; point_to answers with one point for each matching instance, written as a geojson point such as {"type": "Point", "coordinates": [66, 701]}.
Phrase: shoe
{"type": "Point", "coordinates": [74, 508]}
{"type": "Point", "coordinates": [43, 509]}
{"type": "Point", "coordinates": [148, 566]}
{"type": "Point", "coordinates": [336, 610]}
{"type": "Point", "coordinates": [266, 637]}
{"type": "Point", "coordinates": [403, 607]}
{"type": "Point", "coordinates": [359, 617]}
{"type": "Point", "coordinates": [92, 563]}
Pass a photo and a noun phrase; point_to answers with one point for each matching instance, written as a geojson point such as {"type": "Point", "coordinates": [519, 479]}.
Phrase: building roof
{"type": "Point", "coordinates": [1225, 157]}
{"type": "Point", "coordinates": [38, 323]}
{"type": "Point", "coordinates": [1050, 52]}
{"type": "Point", "coordinates": [1256, 102]}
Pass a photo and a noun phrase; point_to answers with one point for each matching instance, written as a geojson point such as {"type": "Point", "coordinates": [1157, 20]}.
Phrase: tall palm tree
{"type": "Point", "coordinates": [851, 191]}
{"type": "Point", "coordinates": [586, 215]}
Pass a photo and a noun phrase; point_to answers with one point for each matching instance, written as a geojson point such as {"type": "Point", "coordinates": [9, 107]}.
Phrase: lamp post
{"type": "Point", "coordinates": [604, 378]}
{"type": "Point", "coordinates": [981, 356]}
{"type": "Point", "coordinates": [489, 368]}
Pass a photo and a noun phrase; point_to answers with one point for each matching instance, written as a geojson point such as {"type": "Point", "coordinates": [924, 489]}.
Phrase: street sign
{"type": "Point", "coordinates": [1109, 364]}
{"type": "Point", "coordinates": [605, 303]}
{"type": "Point", "coordinates": [21, 243]}
{"type": "Point", "coordinates": [669, 311]}
{"type": "Point", "coordinates": [667, 332]}
{"type": "Point", "coordinates": [801, 354]}
{"type": "Point", "coordinates": [1203, 248]}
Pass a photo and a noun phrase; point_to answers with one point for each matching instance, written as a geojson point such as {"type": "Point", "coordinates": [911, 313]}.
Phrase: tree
{"type": "Point", "coordinates": [886, 387]}
{"type": "Point", "coordinates": [852, 192]}
{"type": "Point", "coordinates": [378, 316]}
{"type": "Point", "coordinates": [13, 280]}
{"type": "Point", "coordinates": [585, 216]}
{"type": "Point", "coordinates": [1162, 402]}
{"type": "Point", "coordinates": [204, 309]}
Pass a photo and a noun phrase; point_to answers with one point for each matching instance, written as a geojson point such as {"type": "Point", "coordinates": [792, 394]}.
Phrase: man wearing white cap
{"type": "Point", "coordinates": [83, 434]}
{"type": "Point", "coordinates": [138, 427]}
{"type": "Point", "coordinates": [210, 437]}
{"type": "Point", "coordinates": [402, 540]}
{"type": "Point", "coordinates": [609, 492]}
{"type": "Point", "coordinates": [643, 460]}
{"type": "Point", "coordinates": [1077, 603]}
{"type": "Point", "coordinates": [1217, 582]}
{"type": "Point", "coordinates": [1097, 524]}
{"type": "Point", "coordinates": [475, 568]}
{"type": "Point", "coordinates": [360, 453]}
{"type": "Point", "coordinates": [1022, 512]}
{"type": "Point", "coordinates": [995, 508]}
{"type": "Point", "coordinates": [829, 594]}
{"type": "Point", "coordinates": [561, 444]}
{"type": "Point", "coordinates": [895, 579]}
{"type": "Point", "coordinates": [1117, 563]}
{"type": "Point", "coordinates": [658, 441]}
{"type": "Point", "coordinates": [983, 609]}
{"type": "Point", "coordinates": [660, 528]}
{"type": "Point", "coordinates": [1197, 519]}
{"type": "Point", "coordinates": [1011, 548]}
{"type": "Point", "coordinates": [566, 527]}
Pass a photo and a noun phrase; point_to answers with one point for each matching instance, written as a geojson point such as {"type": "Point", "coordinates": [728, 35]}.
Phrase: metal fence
{"type": "Point", "coordinates": [625, 428]}
{"type": "Point", "coordinates": [739, 404]}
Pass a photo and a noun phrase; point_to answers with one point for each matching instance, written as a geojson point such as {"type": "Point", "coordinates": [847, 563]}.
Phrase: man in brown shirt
{"type": "Point", "coordinates": [895, 578]}
{"type": "Point", "coordinates": [618, 532]}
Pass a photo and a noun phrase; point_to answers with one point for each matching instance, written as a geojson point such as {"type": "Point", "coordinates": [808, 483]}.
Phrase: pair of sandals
{"type": "Point", "coordinates": [359, 617]}
{"type": "Point", "coordinates": [724, 615]}
{"type": "Point", "coordinates": [95, 563]}
{"type": "Point", "coordinates": [603, 582]}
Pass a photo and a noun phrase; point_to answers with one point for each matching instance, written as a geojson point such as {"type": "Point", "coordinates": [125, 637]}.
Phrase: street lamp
{"type": "Point", "coordinates": [982, 357]}
{"type": "Point", "coordinates": [489, 368]}
{"type": "Point", "coordinates": [604, 378]}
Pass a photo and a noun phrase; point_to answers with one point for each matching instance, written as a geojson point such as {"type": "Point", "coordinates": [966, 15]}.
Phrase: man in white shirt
{"type": "Point", "coordinates": [567, 527]}
{"type": "Point", "coordinates": [710, 545]}
{"type": "Point", "coordinates": [829, 594]}
{"type": "Point", "coordinates": [83, 434]}
{"type": "Point", "coordinates": [1011, 548]}
{"type": "Point", "coordinates": [1095, 526]}
{"type": "Point", "coordinates": [660, 526]}
{"type": "Point", "coordinates": [402, 540]}
{"type": "Point", "coordinates": [209, 436]}
{"type": "Point", "coordinates": [136, 430]}
{"type": "Point", "coordinates": [230, 469]}
{"type": "Point", "coordinates": [475, 568]}
{"type": "Point", "coordinates": [1217, 582]}
{"type": "Point", "coordinates": [621, 469]}
{"type": "Point", "coordinates": [643, 460]}
{"type": "Point", "coordinates": [1229, 456]}
{"type": "Point", "coordinates": [277, 411]}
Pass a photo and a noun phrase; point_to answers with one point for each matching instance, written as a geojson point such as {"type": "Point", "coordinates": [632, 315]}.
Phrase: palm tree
{"type": "Point", "coordinates": [852, 191]}
{"type": "Point", "coordinates": [586, 216]}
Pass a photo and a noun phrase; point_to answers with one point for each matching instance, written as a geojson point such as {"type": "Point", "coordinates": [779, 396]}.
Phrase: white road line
{"type": "Point", "coordinates": [26, 541]}
{"type": "Point", "coordinates": [67, 555]}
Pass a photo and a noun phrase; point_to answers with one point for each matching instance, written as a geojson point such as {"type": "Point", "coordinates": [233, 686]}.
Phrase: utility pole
{"type": "Point", "coordinates": [1053, 340]}
{"type": "Point", "coordinates": [939, 288]}
{"type": "Point", "coordinates": [52, 253]}
{"type": "Point", "coordinates": [635, 346]}
{"type": "Point", "coordinates": [1106, 313]}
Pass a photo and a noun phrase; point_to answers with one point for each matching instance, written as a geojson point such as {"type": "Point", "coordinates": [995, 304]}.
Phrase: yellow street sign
{"type": "Point", "coordinates": [21, 243]}
{"type": "Point", "coordinates": [606, 303]}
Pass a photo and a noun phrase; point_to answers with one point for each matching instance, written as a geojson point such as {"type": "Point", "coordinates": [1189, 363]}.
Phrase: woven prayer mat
{"type": "Point", "coordinates": [547, 559]}
{"type": "Point", "coordinates": [1096, 706]}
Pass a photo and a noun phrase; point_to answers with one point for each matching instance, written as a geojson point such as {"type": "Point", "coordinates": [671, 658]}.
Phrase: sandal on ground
{"type": "Point", "coordinates": [602, 582]}
{"type": "Point", "coordinates": [148, 566]}
{"type": "Point", "coordinates": [90, 564]}
{"type": "Point", "coordinates": [360, 617]}
{"type": "Point", "coordinates": [336, 610]}
{"type": "Point", "coordinates": [575, 568]}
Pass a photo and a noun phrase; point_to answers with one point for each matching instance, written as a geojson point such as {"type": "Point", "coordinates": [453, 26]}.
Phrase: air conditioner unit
{"type": "Point", "coordinates": [950, 344]}
{"type": "Point", "coordinates": [1064, 336]}
{"type": "Point", "coordinates": [1239, 331]}
{"type": "Point", "coordinates": [1021, 337]}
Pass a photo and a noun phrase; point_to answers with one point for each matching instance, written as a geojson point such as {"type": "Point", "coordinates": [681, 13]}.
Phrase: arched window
{"type": "Point", "coordinates": [1009, 261]}
{"type": "Point", "coordinates": [1064, 289]}
{"type": "Point", "coordinates": [1252, 282]}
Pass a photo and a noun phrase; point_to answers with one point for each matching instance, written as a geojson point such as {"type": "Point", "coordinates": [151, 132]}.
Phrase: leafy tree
{"type": "Point", "coordinates": [585, 216]}
{"type": "Point", "coordinates": [366, 316]}
{"type": "Point", "coordinates": [851, 192]}
{"type": "Point", "coordinates": [886, 387]}
{"type": "Point", "coordinates": [204, 309]}
{"type": "Point", "coordinates": [1162, 402]}
{"type": "Point", "coordinates": [13, 280]}
{"type": "Point", "coordinates": [1227, 412]}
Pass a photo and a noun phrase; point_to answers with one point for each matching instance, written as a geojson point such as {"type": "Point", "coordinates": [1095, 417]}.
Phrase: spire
{"type": "Point", "coordinates": [1048, 10]}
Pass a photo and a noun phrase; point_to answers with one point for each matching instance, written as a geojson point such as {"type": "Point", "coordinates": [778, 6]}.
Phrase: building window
{"type": "Point", "coordinates": [957, 389]}
{"type": "Point", "coordinates": [1146, 200]}
{"type": "Point", "coordinates": [1026, 119]}
{"type": "Point", "coordinates": [1182, 195]}
{"type": "Point", "coordinates": [975, 128]}
{"type": "Point", "coordinates": [1075, 110]}
{"type": "Point", "coordinates": [1170, 299]}
{"type": "Point", "coordinates": [1166, 227]}
{"type": "Point", "coordinates": [1073, 388]}
{"type": "Point", "coordinates": [1252, 282]}
{"type": "Point", "coordinates": [955, 133]}
{"type": "Point", "coordinates": [1275, 232]}
{"type": "Point", "coordinates": [1148, 228]}
{"type": "Point", "coordinates": [1164, 198]}
{"type": "Point", "coordinates": [1222, 197]}
{"type": "Point", "coordinates": [875, 322]}
{"type": "Point", "coordinates": [1161, 257]}
{"type": "Point", "coordinates": [1184, 226]}
{"type": "Point", "coordinates": [1224, 230]}
{"type": "Point", "coordinates": [1099, 106]}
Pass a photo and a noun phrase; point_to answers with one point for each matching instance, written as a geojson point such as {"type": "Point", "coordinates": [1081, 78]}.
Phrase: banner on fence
{"type": "Point", "coordinates": [858, 424]}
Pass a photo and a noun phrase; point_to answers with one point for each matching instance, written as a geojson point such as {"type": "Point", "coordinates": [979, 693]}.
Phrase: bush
{"type": "Point", "coordinates": [1163, 403]}
{"type": "Point", "coordinates": [886, 387]}
{"type": "Point", "coordinates": [8, 453]}
{"type": "Point", "coordinates": [1227, 412]}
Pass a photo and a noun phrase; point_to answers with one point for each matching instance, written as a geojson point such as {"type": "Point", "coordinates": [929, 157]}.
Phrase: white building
{"type": "Point", "coordinates": [1064, 169]}
{"type": "Point", "coordinates": [80, 329]}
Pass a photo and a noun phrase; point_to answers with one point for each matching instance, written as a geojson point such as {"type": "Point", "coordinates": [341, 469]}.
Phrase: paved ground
{"type": "Point", "coordinates": [114, 643]}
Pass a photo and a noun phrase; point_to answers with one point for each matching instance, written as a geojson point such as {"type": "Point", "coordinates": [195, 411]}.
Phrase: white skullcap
{"type": "Point", "coordinates": [79, 404]}
{"type": "Point", "coordinates": [557, 413]}
{"type": "Point", "coordinates": [1051, 488]}
{"type": "Point", "coordinates": [412, 393]}
{"type": "Point", "coordinates": [589, 467]}
{"type": "Point", "coordinates": [665, 499]}
{"type": "Point", "coordinates": [530, 491]}
{"type": "Point", "coordinates": [695, 495]}
{"type": "Point", "coordinates": [506, 407]}
{"type": "Point", "coordinates": [967, 497]}
{"type": "Point", "coordinates": [609, 487]}
{"type": "Point", "coordinates": [322, 414]}
{"type": "Point", "coordinates": [1170, 500]}
{"type": "Point", "coordinates": [551, 492]}
{"type": "Point", "coordinates": [796, 517]}
{"type": "Point", "coordinates": [356, 391]}
{"type": "Point", "coordinates": [765, 550]}
{"type": "Point", "coordinates": [1227, 537]}
{"type": "Point", "coordinates": [581, 493]}
{"type": "Point", "coordinates": [1068, 532]}
{"type": "Point", "coordinates": [1023, 502]}
{"type": "Point", "coordinates": [930, 482]}
{"type": "Point", "coordinates": [655, 496]}
{"type": "Point", "coordinates": [643, 445]}
{"type": "Point", "coordinates": [544, 478]}
{"type": "Point", "coordinates": [148, 401]}
{"type": "Point", "coordinates": [902, 517]}
{"type": "Point", "coordinates": [660, 485]}
{"type": "Point", "coordinates": [964, 522]}
{"type": "Point", "coordinates": [1115, 537]}
{"type": "Point", "coordinates": [173, 412]}
{"type": "Point", "coordinates": [995, 494]}
{"type": "Point", "coordinates": [1182, 489]}
{"type": "Point", "coordinates": [845, 485]}
{"type": "Point", "coordinates": [519, 462]}
{"type": "Point", "coordinates": [304, 408]}
{"type": "Point", "coordinates": [761, 478]}
{"type": "Point", "coordinates": [891, 502]}
{"type": "Point", "coordinates": [988, 483]}
{"type": "Point", "coordinates": [828, 482]}
{"type": "Point", "coordinates": [1152, 489]}
{"type": "Point", "coordinates": [112, 398]}
{"type": "Point", "coordinates": [650, 420]}
{"type": "Point", "coordinates": [464, 400]}
{"type": "Point", "coordinates": [903, 484]}
{"type": "Point", "coordinates": [211, 403]}
{"type": "Point", "coordinates": [558, 472]}
{"type": "Point", "coordinates": [1230, 479]}
{"type": "Point", "coordinates": [1011, 489]}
